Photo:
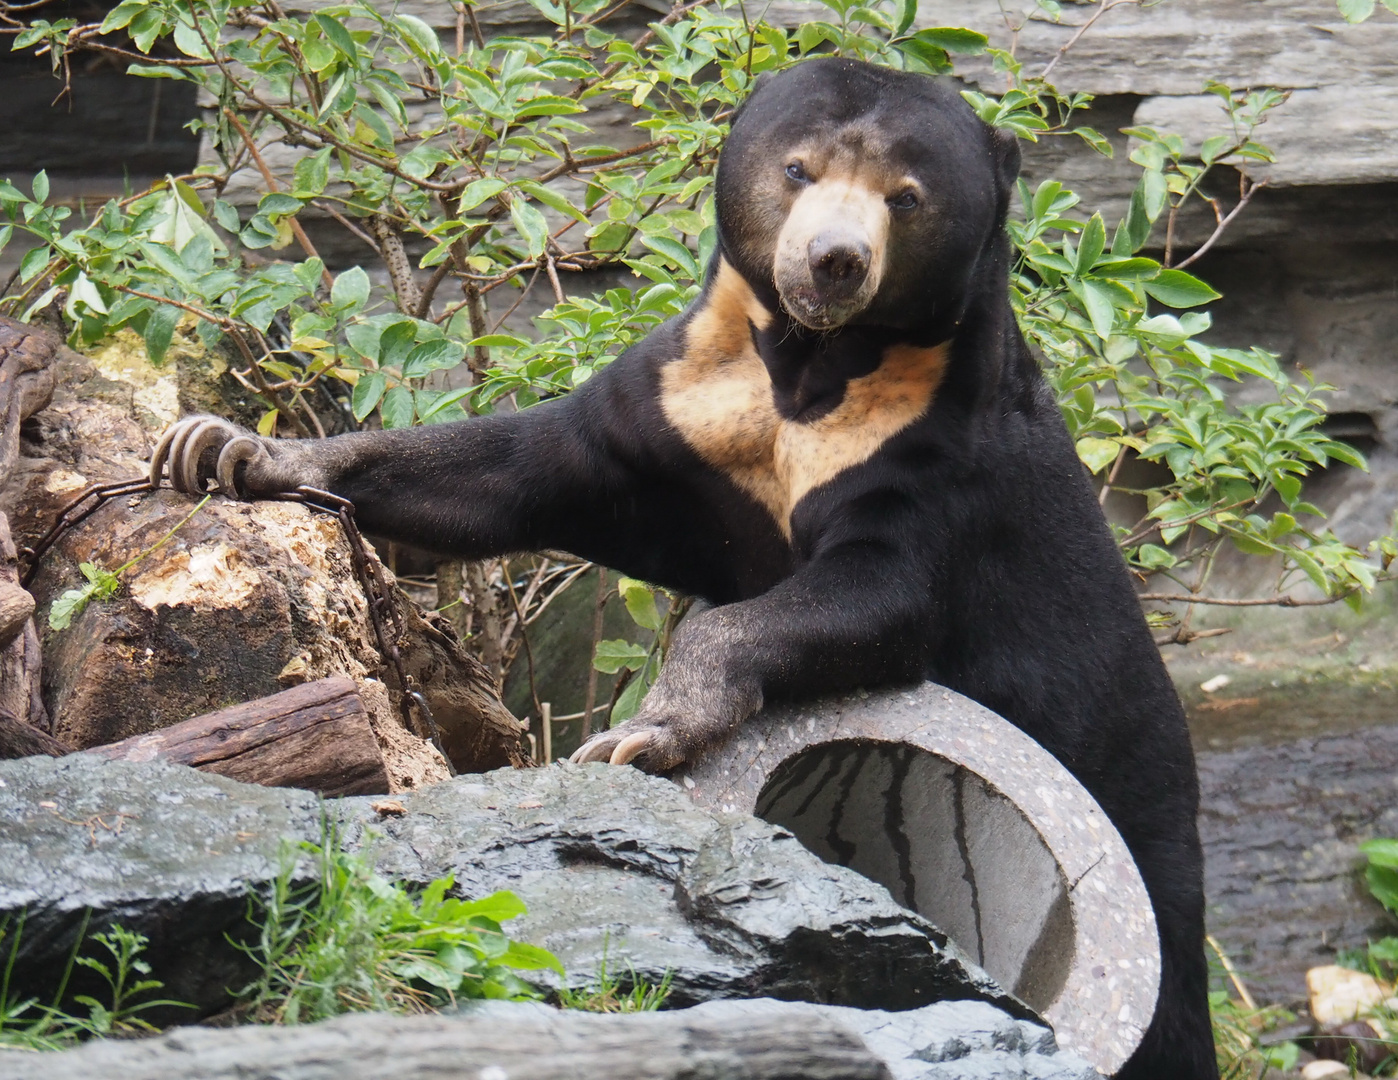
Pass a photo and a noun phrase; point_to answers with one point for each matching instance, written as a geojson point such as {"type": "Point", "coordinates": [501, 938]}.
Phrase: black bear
{"type": "Point", "coordinates": [845, 446]}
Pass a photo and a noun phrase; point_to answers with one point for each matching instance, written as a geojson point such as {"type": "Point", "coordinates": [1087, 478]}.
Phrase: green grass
{"type": "Point", "coordinates": [25, 1024]}
{"type": "Point", "coordinates": [610, 994]}
{"type": "Point", "coordinates": [353, 941]}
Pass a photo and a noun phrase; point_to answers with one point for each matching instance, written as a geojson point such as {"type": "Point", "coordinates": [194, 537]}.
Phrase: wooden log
{"type": "Point", "coordinates": [19, 739]}
{"type": "Point", "coordinates": [315, 737]}
{"type": "Point", "coordinates": [16, 607]}
{"type": "Point", "coordinates": [26, 386]}
{"type": "Point", "coordinates": [563, 1046]}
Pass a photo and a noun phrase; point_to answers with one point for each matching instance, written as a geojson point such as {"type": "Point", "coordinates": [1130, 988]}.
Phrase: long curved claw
{"type": "Point", "coordinates": [162, 451]}
{"type": "Point", "coordinates": [598, 749]}
{"type": "Point", "coordinates": [184, 463]}
{"type": "Point", "coordinates": [630, 746]}
{"type": "Point", "coordinates": [238, 451]}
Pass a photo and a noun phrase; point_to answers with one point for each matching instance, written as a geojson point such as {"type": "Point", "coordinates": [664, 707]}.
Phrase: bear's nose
{"type": "Point", "coordinates": [838, 263]}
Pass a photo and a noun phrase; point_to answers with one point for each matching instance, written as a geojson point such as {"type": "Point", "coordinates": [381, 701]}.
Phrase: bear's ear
{"type": "Point", "coordinates": [1006, 147]}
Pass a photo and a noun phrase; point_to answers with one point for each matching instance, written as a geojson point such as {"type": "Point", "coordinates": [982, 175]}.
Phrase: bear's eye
{"type": "Point", "coordinates": [796, 172]}
{"type": "Point", "coordinates": [906, 201]}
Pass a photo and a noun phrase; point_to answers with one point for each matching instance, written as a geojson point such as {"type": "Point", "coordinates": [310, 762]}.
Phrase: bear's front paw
{"type": "Point", "coordinates": [651, 747]}
{"type": "Point", "coordinates": [200, 449]}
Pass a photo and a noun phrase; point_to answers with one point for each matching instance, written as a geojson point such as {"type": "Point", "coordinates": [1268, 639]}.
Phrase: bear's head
{"type": "Point", "coordinates": [859, 195]}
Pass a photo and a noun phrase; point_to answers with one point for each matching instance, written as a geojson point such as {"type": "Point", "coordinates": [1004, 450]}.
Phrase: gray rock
{"type": "Point", "coordinates": [752, 1040]}
{"type": "Point", "coordinates": [511, 1043]}
{"type": "Point", "coordinates": [613, 865]}
{"type": "Point", "coordinates": [948, 1040]}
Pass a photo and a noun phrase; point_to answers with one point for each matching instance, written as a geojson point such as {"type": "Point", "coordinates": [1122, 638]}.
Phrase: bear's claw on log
{"type": "Point", "coordinates": [183, 448]}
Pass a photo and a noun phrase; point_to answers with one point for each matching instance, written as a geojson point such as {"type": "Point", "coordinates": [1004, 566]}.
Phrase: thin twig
{"type": "Point", "coordinates": [1250, 190]}
{"type": "Point", "coordinates": [1221, 601]}
{"type": "Point", "coordinates": [272, 186]}
{"type": "Point", "coordinates": [598, 608]}
{"type": "Point", "coordinates": [1102, 8]}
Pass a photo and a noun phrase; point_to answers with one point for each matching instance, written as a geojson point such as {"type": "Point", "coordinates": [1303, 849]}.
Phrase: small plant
{"type": "Point", "coordinates": [352, 941]}
{"type": "Point", "coordinates": [639, 664]}
{"type": "Point", "coordinates": [1239, 1025]}
{"type": "Point", "coordinates": [103, 584]}
{"type": "Point", "coordinates": [609, 994]}
{"type": "Point", "coordinates": [27, 1025]}
{"type": "Point", "coordinates": [1379, 958]}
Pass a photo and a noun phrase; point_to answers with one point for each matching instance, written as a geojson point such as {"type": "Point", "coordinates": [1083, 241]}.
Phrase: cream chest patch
{"type": "Point", "coordinates": [719, 397]}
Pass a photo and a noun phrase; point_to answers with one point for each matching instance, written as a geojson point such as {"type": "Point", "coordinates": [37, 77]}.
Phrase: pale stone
{"type": "Point", "coordinates": [1339, 995]}
{"type": "Point", "coordinates": [1323, 1070]}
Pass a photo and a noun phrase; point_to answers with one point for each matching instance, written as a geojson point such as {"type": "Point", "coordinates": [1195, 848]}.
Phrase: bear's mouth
{"type": "Point", "coordinates": [811, 310]}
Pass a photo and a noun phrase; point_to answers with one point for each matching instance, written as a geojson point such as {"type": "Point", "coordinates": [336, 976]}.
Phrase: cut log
{"type": "Point", "coordinates": [16, 607]}
{"type": "Point", "coordinates": [315, 737]}
{"type": "Point", "coordinates": [19, 739]}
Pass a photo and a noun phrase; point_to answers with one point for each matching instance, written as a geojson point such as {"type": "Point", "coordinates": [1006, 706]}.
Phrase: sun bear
{"type": "Point", "coordinates": [846, 448]}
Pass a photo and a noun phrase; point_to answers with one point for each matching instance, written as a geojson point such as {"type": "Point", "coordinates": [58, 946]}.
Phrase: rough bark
{"type": "Point", "coordinates": [316, 737]}
{"type": "Point", "coordinates": [21, 739]}
{"type": "Point", "coordinates": [26, 386]}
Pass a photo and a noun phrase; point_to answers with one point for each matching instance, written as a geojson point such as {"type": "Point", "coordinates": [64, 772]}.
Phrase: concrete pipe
{"type": "Point", "coordinates": [969, 822]}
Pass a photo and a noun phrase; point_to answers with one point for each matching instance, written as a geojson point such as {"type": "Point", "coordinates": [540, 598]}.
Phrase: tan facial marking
{"type": "Point", "coordinates": [719, 397]}
{"type": "Point", "coordinates": [848, 203]}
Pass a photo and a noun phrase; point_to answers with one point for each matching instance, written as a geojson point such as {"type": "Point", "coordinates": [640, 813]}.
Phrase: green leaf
{"type": "Point", "coordinates": [532, 226]}
{"type": "Point", "coordinates": [443, 402]}
{"type": "Point", "coordinates": [423, 38]}
{"type": "Point", "coordinates": [1382, 851]}
{"type": "Point", "coordinates": [907, 11]}
{"type": "Point", "coordinates": [954, 39]}
{"type": "Point", "coordinates": [367, 392]}
{"type": "Point", "coordinates": [350, 292]}
{"type": "Point", "coordinates": [226, 214]}
{"type": "Point", "coordinates": [311, 174]}
{"type": "Point", "coordinates": [337, 34]}
{"type": "Point", "coordinates": [278, 202]}
{"type": "Point", "coordinates": [549, 197]}
{"type": "Point", "coordinates": [1097, 454]}
{"type": "Point", "coordinates": [1177, 289]}
{"type": "Point", "coordinates": [1126, 269]}
{"type": "Point", "coordinates": [432, 356]}
{"type": "Point", "coordinates": [396, 409]}
{"type": "Point", "coordinates": [1347, 454]}
{"type": "Point", "coordinates": [122, 14]}
{"type": "Point", "coordinates": [630, 700]}
{"type": "Point", "coordinates": [1091, 244]}
{"type": "Point", "coordinates": [41, 186]}
{"type": "Point", "coordinates": [477, 191]}
{"type": "Point", "coordinates": [498, 907]}
{"type": "Point", "coordinates": [35, 259]}
{"type": "Point", "coordinates": [159, 330]}
{"type": "Point", "coordinates": [527, 957]}
{"type": "Point", "coordinates": [68, 607]}
{"type": "Point", "coordinates": [640, 602]}
{"type": "Point", "coordinates": [1100, 308]}
{"type": "Point", "coordinates": [396, 342]}
{"type": "Point", "coordinates": [1383, 883]}
{"type": "Point", "coordinates": [613, 655]}
{"type": "Point", "coordinates": [1356, 11]}
{"type": "Point", "coordinates": [1154, 557]}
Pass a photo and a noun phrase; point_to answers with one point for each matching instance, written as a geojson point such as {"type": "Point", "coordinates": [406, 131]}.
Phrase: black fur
{"type": "Point", "coordinates": [969, 549]}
